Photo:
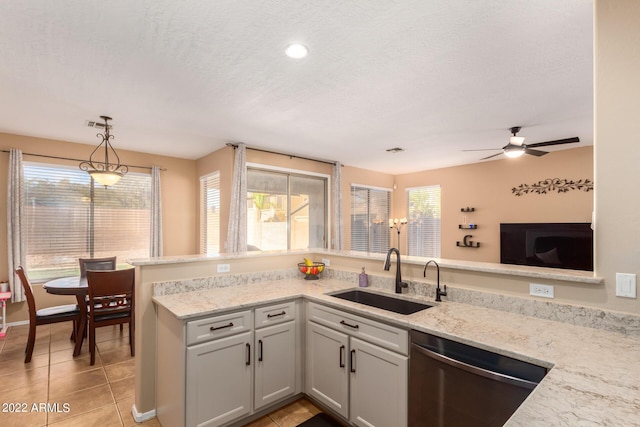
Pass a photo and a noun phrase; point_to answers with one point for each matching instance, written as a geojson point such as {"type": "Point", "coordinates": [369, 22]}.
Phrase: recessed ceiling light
{"type": "Point", "coordinates": [296, 51]}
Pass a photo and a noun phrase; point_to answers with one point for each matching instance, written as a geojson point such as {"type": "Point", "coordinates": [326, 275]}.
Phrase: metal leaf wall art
{"type": "Point", "coordinates": [550, 185]}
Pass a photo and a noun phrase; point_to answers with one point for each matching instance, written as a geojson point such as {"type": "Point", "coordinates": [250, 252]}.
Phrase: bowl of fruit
{"type": "Point", "coordinates": [310, 269]}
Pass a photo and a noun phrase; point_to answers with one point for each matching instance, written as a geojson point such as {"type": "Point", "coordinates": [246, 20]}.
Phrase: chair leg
{"type": "Point", "coordinates": [31, 341]}
{"type": "Point", "coordinates": [121, 327]}
{"type": "Point", "coordinates": [131, 338]}
{"type": "Point", "coordinates": [73, 332]}
{"type": "Point", "coordinates": [92, 342]}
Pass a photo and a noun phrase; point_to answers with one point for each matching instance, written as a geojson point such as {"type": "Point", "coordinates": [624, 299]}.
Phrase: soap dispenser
{"type": "Point", "coordinates": [363, 279]}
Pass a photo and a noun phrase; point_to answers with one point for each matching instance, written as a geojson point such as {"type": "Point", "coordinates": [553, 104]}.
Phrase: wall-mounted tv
{"type": "Point", "coordinates": [556, 245]}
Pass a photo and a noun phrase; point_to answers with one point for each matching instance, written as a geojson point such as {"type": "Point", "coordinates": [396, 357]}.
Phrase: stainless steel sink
{"type": "Point", "coordinates": [389, 303]}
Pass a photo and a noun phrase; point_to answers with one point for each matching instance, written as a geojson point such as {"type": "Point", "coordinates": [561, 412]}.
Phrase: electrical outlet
{"type": "Point", "coordinates": [537, 290]}
{"type": "Point", "coordinates": [625, 285]}
{"type": "Point", "coordinates": [224, 268]}
{"type": "Point", "coordinates": [326, 261]}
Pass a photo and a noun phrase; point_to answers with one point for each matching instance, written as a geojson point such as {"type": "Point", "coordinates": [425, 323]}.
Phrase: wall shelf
{"type": "Point", "coordinates": [466, 241]}
{"type": "Point", "coordinates": [468, 227]}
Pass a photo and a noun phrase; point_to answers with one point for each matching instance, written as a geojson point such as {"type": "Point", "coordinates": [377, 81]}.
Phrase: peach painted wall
{"type": "Point", "coordinates": [487, 188]}
{"type": "Point", "coordinates": [179, 196]}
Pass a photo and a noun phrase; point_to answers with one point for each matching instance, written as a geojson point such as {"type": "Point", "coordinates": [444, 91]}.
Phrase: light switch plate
{"type": "Point", "coordinates": [224, 268]}
{"type": "Point", "coordinates": [626, 285]}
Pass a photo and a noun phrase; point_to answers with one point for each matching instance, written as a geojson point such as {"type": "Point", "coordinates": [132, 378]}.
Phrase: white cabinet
{"type": "Point", "coordinates": [378, 381]}
{"type": "Point", "coordinates": [219, 381]}
{"type": "Point", "coordinates": [275, 363]}
{"type": "Point", "coordinates": [352, 370]}
{"type": "Point", "coordinates": [326, 378]}
{"type": "Point", "coordinates": [216, 370]}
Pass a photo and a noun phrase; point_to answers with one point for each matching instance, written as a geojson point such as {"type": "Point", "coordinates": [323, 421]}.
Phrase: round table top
{"type": "Point", "coordinates": [74, 285]}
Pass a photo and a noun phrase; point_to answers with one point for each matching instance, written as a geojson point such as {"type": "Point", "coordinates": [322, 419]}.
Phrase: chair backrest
{"type": "Point", "coordinates": [86, 264]}
{"type": "Point", "coordinates": [28, 292]}
{"type": "Point", "coordinates": [111, 292]}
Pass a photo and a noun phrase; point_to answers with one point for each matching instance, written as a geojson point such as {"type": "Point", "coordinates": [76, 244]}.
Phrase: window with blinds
{"type": "Point", "coordinates": [210, 213]}
{"type": "Point", "coordinates": [423, 229]}
{"type": "Point", "coordinates": [67, 217]}
{"type": "Point", "coordinates": [370, 211]}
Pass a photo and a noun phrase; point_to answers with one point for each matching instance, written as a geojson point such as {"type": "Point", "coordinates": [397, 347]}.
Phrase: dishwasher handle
{"type": "Point", "coordinates": [474, 369]}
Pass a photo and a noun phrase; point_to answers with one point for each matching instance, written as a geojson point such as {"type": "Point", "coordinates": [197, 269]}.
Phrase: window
{"type": "Point", "coordinates": [370, 211]}
{"type": "Point", "coordinates": [424, 221]}
{"type": "Point", "coordinates": [285, 210]}
{"type": "Point", "coordinates": [67, 217]}
{"type": "Point", "coordinates": [210, 213]}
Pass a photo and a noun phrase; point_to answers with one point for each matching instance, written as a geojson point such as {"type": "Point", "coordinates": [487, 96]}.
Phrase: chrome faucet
{"type": "Point", "coordinates": [439, 293]}
{"type": "Point", "coordinates": [387, 264]}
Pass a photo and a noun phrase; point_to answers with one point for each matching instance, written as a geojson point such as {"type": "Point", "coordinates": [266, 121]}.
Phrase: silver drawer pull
{"type": "Point", "coordinates": [277, 314]}
{"type": "Point", "coordinates": [342, 322]}
{"type": "Point", "coordinates": [230, 325]}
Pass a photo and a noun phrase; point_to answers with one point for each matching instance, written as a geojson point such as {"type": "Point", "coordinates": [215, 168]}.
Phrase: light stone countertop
{"type": "Point", "coordinates": [594, 378]}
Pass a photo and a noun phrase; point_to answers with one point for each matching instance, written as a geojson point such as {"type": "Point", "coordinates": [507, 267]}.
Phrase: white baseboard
{"type": "Point", "coordinates": [21, 322]}
{"type": "Point", "coordinates": [138, 417]}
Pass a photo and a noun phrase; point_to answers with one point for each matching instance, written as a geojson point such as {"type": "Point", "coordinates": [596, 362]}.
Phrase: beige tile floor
{"type": "Point", "coordinates": [55, 389]}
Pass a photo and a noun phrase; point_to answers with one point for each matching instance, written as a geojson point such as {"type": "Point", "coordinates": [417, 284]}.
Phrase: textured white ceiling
{"type": "Point", "coordinates": [182, 78]}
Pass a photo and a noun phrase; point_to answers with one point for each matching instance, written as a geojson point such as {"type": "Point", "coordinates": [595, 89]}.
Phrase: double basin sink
{"type": "Point", "coordinates": [384, 302]}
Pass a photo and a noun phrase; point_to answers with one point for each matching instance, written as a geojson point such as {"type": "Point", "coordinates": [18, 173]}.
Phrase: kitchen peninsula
{"type": "Point", "coordinates": [592, 374]}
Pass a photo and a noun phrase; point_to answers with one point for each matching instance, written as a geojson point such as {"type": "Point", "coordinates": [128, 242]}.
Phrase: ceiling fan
{"type": "Point", "coordinates": [516, 146]}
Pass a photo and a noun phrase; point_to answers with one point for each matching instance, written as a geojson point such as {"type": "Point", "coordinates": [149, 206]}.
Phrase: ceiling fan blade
{"type": "Point", "coordinates": [536, 153]}
{"type": "Point", "coordinates": [557, 142]}
{"type": "Point", "coordinates": [494, 155]}
{"type": "Point", "coordinates": [485, 149]}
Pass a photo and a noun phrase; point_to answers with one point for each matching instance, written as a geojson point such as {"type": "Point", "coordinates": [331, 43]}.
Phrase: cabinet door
{"type": "Point", "coordinates": [219, 380]}
{"type": "Point", "coordinates": [326, 376]}
{"type": "Point", "coordinates": [378, 386]}
{"type": "Point", "coordinates": [275, 363]}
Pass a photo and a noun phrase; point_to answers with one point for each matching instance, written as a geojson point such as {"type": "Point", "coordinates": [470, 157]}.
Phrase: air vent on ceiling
{"type": "Point", "coordinates": [395, 150]}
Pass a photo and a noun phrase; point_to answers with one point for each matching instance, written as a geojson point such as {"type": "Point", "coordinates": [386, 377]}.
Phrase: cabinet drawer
{"type": "Point", "coordinates": [378, 333]}
{"type": "Point", "coordinates": [274, 314]}
{"type": "Point", "coordinates": [217, 327]}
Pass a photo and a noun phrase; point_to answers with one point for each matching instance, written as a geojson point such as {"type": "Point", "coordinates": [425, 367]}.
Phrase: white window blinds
{"type": "Point", "coordinates": [210, 213]}
{"type": "Point", "coordinates": [370, 211]}
{"type": "Point", "coordinates": [423, 229]}
{"type": "Point", "coordinates": [68, 218]}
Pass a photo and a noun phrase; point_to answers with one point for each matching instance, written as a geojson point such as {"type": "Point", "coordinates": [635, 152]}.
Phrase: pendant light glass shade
{"type": "Point", "coordinates": [103, 172]}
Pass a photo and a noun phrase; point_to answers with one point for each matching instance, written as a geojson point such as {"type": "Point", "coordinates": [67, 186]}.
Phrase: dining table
{"type": "Point", "coordinates": [74, 285]}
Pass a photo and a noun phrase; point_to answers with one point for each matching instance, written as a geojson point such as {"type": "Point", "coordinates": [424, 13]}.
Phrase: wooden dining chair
{"type": "Point", "coordinates": [45, 316]}
{"type": "Point", "coordinates": [108, 263]}
{"type": "Point", "coordinates": [111, 302]}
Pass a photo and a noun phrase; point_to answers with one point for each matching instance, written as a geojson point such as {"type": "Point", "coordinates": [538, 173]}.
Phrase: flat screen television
{"type": "Point", "coordinates": [555, 245]}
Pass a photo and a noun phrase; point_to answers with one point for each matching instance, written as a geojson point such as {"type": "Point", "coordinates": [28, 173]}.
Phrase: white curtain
{"type": "Point", "coordinates": [237, 231]}
{"type": "Point", "coordinates": [338, 224]}
{"type": "Point", "coordinates": [156, 213]}
{"type": "Point", "coordinates": [15, 231]}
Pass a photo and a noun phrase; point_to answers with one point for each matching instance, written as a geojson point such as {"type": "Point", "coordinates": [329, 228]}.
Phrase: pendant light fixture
{"type": "Point", "coordinates": [103, 172]}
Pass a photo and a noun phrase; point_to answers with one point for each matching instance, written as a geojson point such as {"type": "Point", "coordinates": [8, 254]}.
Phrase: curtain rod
{"type": "Point", "coordinates": [291, 156]}
{"type": "Point", "coordinates": [77, 160]}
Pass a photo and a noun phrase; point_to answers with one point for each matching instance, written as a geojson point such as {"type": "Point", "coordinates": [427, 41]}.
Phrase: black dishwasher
{"type": "Point", "coordinates": [453, 384]}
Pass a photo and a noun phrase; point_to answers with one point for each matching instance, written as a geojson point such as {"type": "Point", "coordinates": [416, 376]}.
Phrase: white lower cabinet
{"type": "Point", "coordinates": [219, 381]}
{"type": "Point", "coordinates": [378, 381]}
{"type": "Point", "coordinates": [216, 370]}
{"type": "Point", "coordinates": [327, 378]}
{"type": "Point", "coordinates": [365, 383]}
{"type": "Point", "coordinates": [275, 363]}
